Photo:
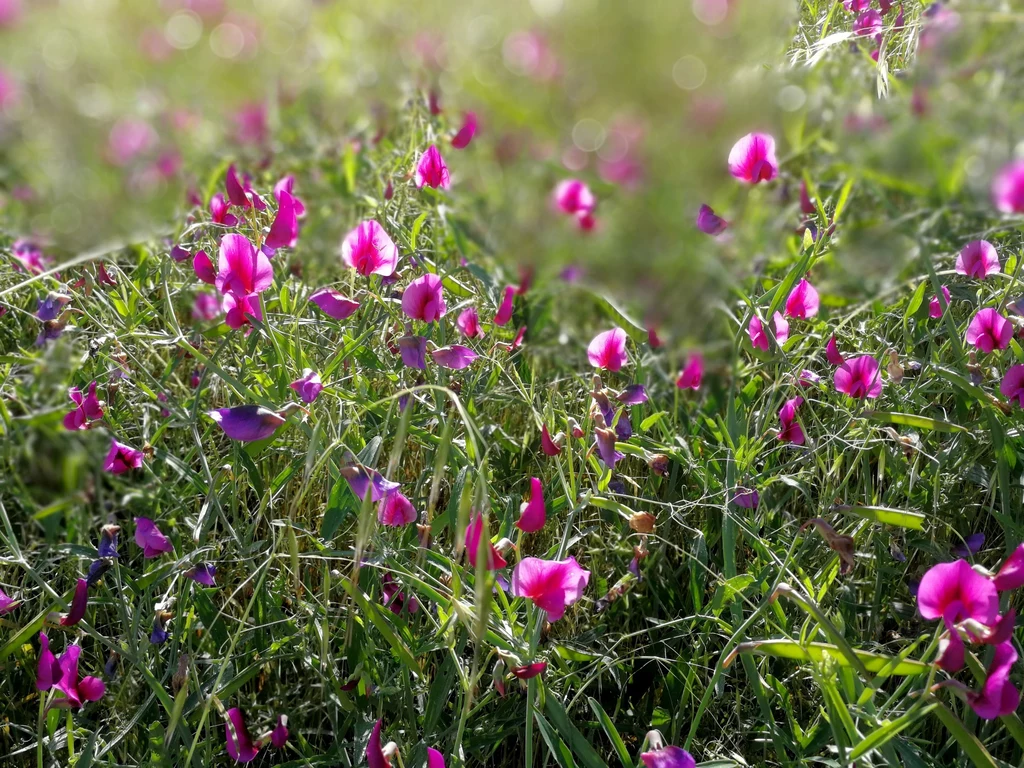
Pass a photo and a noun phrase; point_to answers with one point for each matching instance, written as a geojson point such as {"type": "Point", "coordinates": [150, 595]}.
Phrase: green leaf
{"type": "Point", "coordinates": [912, 420]}
{"type": "Point", "coordinates": [791, 649]}
{"type": "Point", "coordinates": [651, 420]}
{"type": "Point", "coordinates": [885, 515]}
{"type": "Point", "coordinates": [968, 742]}
{"type": "Point", "coordinates": [581, 748]}
{"type": "Point", "coordinates": [383, 626]}
{"type": "Point", "coordinates": [887, 731]}
{"type": "Point", "coordinates": [557, 747]}
{"type": "Point", "coordinates": [611, 732]}
{"type": "Point", "coordinates": [916, 301]}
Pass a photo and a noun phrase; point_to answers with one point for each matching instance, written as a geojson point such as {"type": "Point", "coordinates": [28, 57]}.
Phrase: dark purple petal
{"type": "Point", "coordinates": [203, 573]}
{"type": "Point", "coordinates": [78, 604]}
{"type": "Point", "coordinates": [247, 423]}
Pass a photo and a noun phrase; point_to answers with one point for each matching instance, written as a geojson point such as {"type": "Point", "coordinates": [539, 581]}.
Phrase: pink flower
{"type": "Point", "coordinates": [529, 670]}
{"type": "Point", "coordinates": [978, 259]}
{"type": "Point", "coordinates": [551, 585]}
{"type": "Point", "coordinates": [7, 603]}
{"type": "Point", "coordinates": [504, 313]}
{"type": "Point", "coordinates": [251, 123]}
{"type": "Point", "coordinates": [1011, 572]}
{"type": "Point", "coordinates": [434, 758]}
{"type": "Point", "coordinates": [634, 394]}
{"type": "Point", "coordinates": [279, 736]}
{"type": "Point", "coordinates": [205, 306]}
{"type": "Point", "coordinates": [466, 133]}
{"type": "Point", "coordinates": [1012, 385]}
{"type": "Point", "coordinates": [710, 223]}
{"type": "Point", "coordinates": [806, 204]}
{"type": "Point", "coordinates": [180, 254]}
{"type": "Point", "coordinates": [455, 357]}
{"type": "Point", "coordinates": [752, 159]}
{"type": "Point", "coordinates": [88, 409]}
{"type": "Point", "coordinates": [998, 697]}
{"type": "Point", "coordinates": [803, 301]}
{"type": "Point", "coordinates": [48, 671]}
{"type": "Point", "coordinates": [954, 592]}
{"type": "Point", "coordinates": [369, 251]}
{"type": "Point", "coordinates": [473, 535]}
{"type": "Point", "coordinates": [10, 12]}
{"type": "Point", "coordinates": [334, 304]}
{"type": "Point", "coordinates": [247, 423]}
{"type": "Point", "coordinates": [375, 757]}
{"type": "Point", "coordinates": [856, 6]}
{"type": "Point", "coordinates": [424, 299]}
{"type": "Point", "coordinates": [287, 184]}
{"type": "Point", "coordinates": [284, 232]}
{"type": "Point", "coordinates": [550, 447]}
{"type": "Point", "coordinates": [238, 309]}
{"type": "Point", "coordinates": [574, 197]}
{"type": "Point", "coordinates": [532, 513]}
{"type": "Point", "coordinates": [363, 480]}
{"type": "Point", "coordinates": [151, 539]}
{"type": "Point", "coordinates": [868, 24]}
{"type": "Point", "coordinates": [989, 330]}
{"type": "Point", "coordinates": [1008, 188]}
{"type": "Point", "coordinates": [758, 337]}
{"type": "Point", "coordinates": [394, 599]}
{"type": "Point", "coordinates": [239, 743]}
{"type": "Point", "coordinates": [607, 350]}
{"type": "Point", "coordinates": [308, 386]}
{"type": "Point", "coordinates": [235, 190]}
{"type": "Point", "coordinates": [219, 211]}
{"type": "Point", "coordinates": [791, 431]}
{"type": "Point", "coordinates": [76, 692]}
{"type": "Point", "coordinates": [396, 510]}
{"type": "Point", "coordinates": [832, 352]}
{"type": "Point", "coordinates": [243, 269]}
{"type": "Point", "coordinates": [859, 377]}
{"type": "Point", "coordinates": [668, 757]}
{"type": "Point", "coordinates": [431, 170]}
{"type": "Point", "coordinates": [469, 323]}
{"type": "Point", "coordinates": [203, 268]}
{"type": "Point", "coordinates": [129, 138]}
{"type": "Point", "coordinates": [693, 374]}
{"type": "Point", "coordinates": [121, 458]}
{"type": "Point", "coordinates": [935, 306]}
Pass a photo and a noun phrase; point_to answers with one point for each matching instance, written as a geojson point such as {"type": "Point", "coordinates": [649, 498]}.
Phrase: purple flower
{"type": "Point", "coordinates": [455, 357]}
{"type": "Point", "coordinates": [334, 304]}
{"type": "Point", "coordinates": [205, 306]}
{"type": "Point", "coordinates": [971, 545]}
{"type": "Point", "coordinates": [7, 603]}
{"type": "Point", "coordinates": [362, 479]}
{"type": "Point", "coordinates": [159, 634]}
{"type": "Point", "coordinates": [239, 743]}
{"type": "Point", "coordinates": [279, 736]}
{"type": "Point", "coordinates": [308, 386]}
{"type": "Point", "coordinates": [605, 439]}
{"type": "Point", "coordinates": [89, 408]}
{"type": "Point", "coordinates": [709, 223]}
{"type": "Point", "coordinates": [202, 573]}
{"type": "Point", "coordinates": [96, 570]}
{"type": "Point", "coordinates": [247, 423]}
{"type": "Point", "coordinates": [78, 604]}
{"type": "Point", "coordinates": [745, 497]}
{"type": "Point", "coordinates": [121, 458]}
{"type": "Point", "coordinates": [52, 306]}
{"type": "Point", "coordinates": [149, 537]}
{"type": "Point", "coordinates": [414, 351]}
{"type": "Point", "coordinates": [48, 671]}
{"type": "Point", "coordinates": [634, 394]}
{"type": "Point", "coordinates": [76, 692]}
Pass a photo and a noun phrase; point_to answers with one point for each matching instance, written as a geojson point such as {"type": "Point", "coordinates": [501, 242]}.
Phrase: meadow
{"type": "Point", "coordinates": [552, 383]}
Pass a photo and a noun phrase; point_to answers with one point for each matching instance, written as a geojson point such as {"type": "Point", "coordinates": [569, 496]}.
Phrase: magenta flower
{"type": "Point", "coordinates": [413, 350]}
{"type": "Point", "coordinates": [78, 605]}
{"type": "Point", "coordinates": [466, 133]}
{"type": "Point", "coordinates": [396, 510]}
{"type": "Point", "coordinates": [790, 430]}
{"type": "Point", "coordinates": [89, 408]}
{"type": "Point", "coordinates": [1011, 573]}
{"type": "Point", "coordinates": [528, 671]}
{"type": "Point", "coordinates": [989, 330]}
{"type": "Point", "coordinates": [129, 137]}
{"type": "Point", "coordinates": [10, 12]}
{"type": "Point", "coordinates": [998, 697]}
{"type": "Point", "coordinates": [832, 352]}
{"type": "Point", "coordinates": [758, 337]}
{"type": "Point", "coordinates": [473, 535]}
{"type": "Point", "coordinates": [238, 309]}
{"type": "Point", "coordinates": [552, 585]}
{"type": "Point", "coordinates": [239, 743]}
{"type": "Point", "coordinates": [954, 592]}
{"type": "Point", "coordinates": [394, 599]}
{"type": "Point", "coordinates": [247, 423]}
{"type": "Point", "coordinates": [1008, 188]}
{"type": "Point", "coordinates": [455, 357]}
{"type": "Point", "coordinates": [856, 6]}
{"type": "Point", "coordinates": [203, 573]}
{"type": "Point", "coordinates": [204, 268]}
{"type": "Point", "coordinates": [48, 671]}
{"type": "Point", "coordinates": [334, 304]}
{"type": "Point", "coordinates": [935, 306]}
{"type": "Point", "coordinates": [431, 170]}
{"type": "Point", "coordinates": [978, 259]}
{"type": "Point", "coordinates": [369, 250]}
{"type": "Point", "coordinates": [859, 377]}
{"type": "Point", "coordinates": [747, 498]}
{"type": "Point", "coordinates": [121, 458]}
{"type": "Point", "coordinates": [180, 254]}
{"type": "Point", "coordinates": [236, 192]}
{"type": "Point", "coordinates": [308, 386]}
{"type": "Point", "coordinates": [709, 223]}
{"type": "Point", "coordinates": [752, 158]}
{"type": "Point", "coordinates": [806, 204]}
{"type": "Point", "coordinates": [469, 323]}
{"type": "Point", "coordinates": [574, 197]}
{"type": "Point", "coordinates": [423, 299]}
{"type": "Point", "coordinates": [692, 374]}
{"type": "Point", "coordinates": [802, 302]}
{"type": "Point", "coordinates": [607, 350]}
{"type": "Point", "coordinates": [868, 24]}
{"type": "Point", "coordinates": [532, 513]}
{"type": "Point", "coordinates": [76, 692]}
{"type": "Point", "coordinates": [668, 757]}
{"type": "Point", "coordinates": [243, 269]}
{"type": "Point", "coordinates": [205, 306]}
{"type": "Point", "coordinates": [507, 303]}
{"type": "Point", "coordinates": [550, 448]}
{"type": "Point", "coordinates": [29, 257]}
{"type": "Point", "coordinates": [284, 231]}
{"type": "Point", "coordinates": [287, 184]}
{"type": "Point", "coordinates": [151, 539]}
{"type": "Point", "coordinates": [279, 736]}
{"type": "Point", "coordinates": [375, 757]}
{"type": "Point", "coordinates": [363, 480]}
{"type": "Point", "coordinates": [1012, 385]}
{"type": "Point", "coordinates": [7, 603]}
{"type": "Point", "coordinates": [219, 211]}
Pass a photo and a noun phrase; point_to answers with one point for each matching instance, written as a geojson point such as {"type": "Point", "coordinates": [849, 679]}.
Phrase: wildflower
{"type": "Point", "coordinates": [667, 756]}
{"type": "Point", "coordinates": [806, 204]}
{"type": "Point", "coordinates": [859, 377]}
{"type": "Point", "coordinates": [394, 599]}
{"type": "Point", "coordinates": [369, 250]}
{"type": "Point", "coordinates": [752, 158]}
{"type": "Point", "coordinates": [202, 573]}
{"type": "Point", "coordinates": [642, 522]}
{"type": "Point", "coordinates": [423, 299]}
{"type": "Point", "coordinates": [935, 306]}
{"type": "Point", "coordinates": [236, 192]}
{"type": "Point", "coordinates": [634, 394]}
{"type": "Point", "coordinates": [803, 301]}
{"type": "Point", "coordinates": [551, 585]}
{"type": "Point", "coordinates": [97, 568]}
{"type": "Point", "coordinates": [78, 605]}
{"type": "Point", "coordinates": [551, 448]}
{"type": "Point", "coordinates": [248, 423]}
{"type": "Point", "coordinates": [710, 223]}
{"type": "Point", "coordinates": [76, 692]}
{"type": "Point", "coordinates": [238, 309]}
{"type": "Point", "coordinates": [251, 123]}
{"type": "Point", "coordinates": [48, 671]}
{"type": "Point", "coordinates": [151, 539]}
{"type": "Point", "coordinates": [692, 374]}
{"type": "Point", "coordinates": [129, 137]}
{"type": "Point", "coordinates": [998, 696]}
{"type": "Point", "coordinates": [954, 592]}
{"type": "Point", "coordinates": [29, 256]}
{"type": "Point", "coordinates": [466, 133]}
{"type": "Point", "coordinates": [758, 337]}
{"type": "Point", "coordinates": [334, 304]}
{"type": "Point", "coordinates": [363, 480]}
{"type": "Point", "coordinates": [219, 208]}
{"type": "Point", "coordinates": [469, 323]}
{"type": "Point", "coordinates": [1011, 573]}
{"type": "Point", "coordinates": [204, 268]}
{"type": "Point", "coordinates": [505, 310]}
{"type": "Point", "coordinates": [308, 386]}
{"type": "Point", "coordinates": [121, 458]}
{"type": "Point", "coordinates": [978, 259]}
{"type": "Point", "coordinates": [532, 513]}
{"type": "Point", "coordinates": [279, 736]}
{"type": "Point", "coordinates": [529, 671]}
{"type": "Point", "coordinates": [89, 408]}
{"type": "Point", "coordinates": [473, 535]}
{"type": "Point", "coordinates": [868, 24]}
{"type": "Point", "coordinates": [1012, 385]}
{"type": "Point", "coordinates": [1008, 188]}
{"type": "Point", "coordinates": [396, 510]}
{"type": "Point", "coordinates": [243, 269]}
{"type": "Point", "coordinates": [989, 330]}
{"type": "Point", "coordinates": [205, 306]}
{"type": "Point", "coordinates": [377, 756]}
{"type": "Point", "coordinates": [605, 439]}
{"type": "Point", "coordinates": [791, 431]}
{"type": "Point", "coordinates": [284, 231]}
{"type": "Point", "coordinates": [160, 634]}
{"type": "Point", "coordinates": [455, 357]}
{"type": "Point", "coordinates": [659, 464]}
{"type": "Point", "coordinates": [239, 743]}
{"type": "Point", "coordinates": [431, 170]}
{"type": "Point", "coordinates": [287, 184]}
{"type": "Point", "coordinates": [574, 197]}
{"type": "Point", "coordinates": [102, 276]}
{"type": "Point", "coordinates": [414, 351]}
{"type": "Point", "coordinates": [108, 541]}
{"type": "Point", "coordinates": [7, 603]}
{"type": "Point", "coordinates": [607, 350]}
{"type": "Point", "coordinates": [832, 352]}
{"type": "Point", "coordinates": [747, 498]}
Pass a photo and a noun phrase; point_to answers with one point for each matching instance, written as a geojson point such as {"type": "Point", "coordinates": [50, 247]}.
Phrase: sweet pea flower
{"type": "Point", "coordinates": [97, 568]}
{"type": "Point", "coordinates": [972, 544]}
{"type": "Point", "coordinates": [802, 302]}
{"type": "Point", "coordinates": [1008, 188]}
{"type": "Point", "coordinates": [205, 306]}
{"type": "Point", "coordinates": [108, 541]}
{"type": "Point", "coordinates": [129, 137]}
{"type": "Point", "coordinates": [10, 12]}
{"type": "Point", "coordinates": [1012, 385]}
{"type": "Point", "coordinates": [7, 603]}
{"type": "Point", "coordinates": [239, 743]}
{"type": "Point", "coordinates": [160, 633]}
{"type": "Point", "coordinates": [978, 259]}
{"type": "Point", "coordinates": [989, 330]}
{"type": "Point", "coordinates": [219, 208]}
{"type": "Point", "coordinates": [507, 304]}
{"type": "Point", "coordinates": [89, 408]}
{"type": "Point", "coordinates": [121, 458]}
{"type": "Point", "coordinates": [284, 231]}
{"type": "Point", "coordinates": [607, 350]}
{"type": "Point", "coordinates": [78, 605]}
{"type": "Point", "coordinates": [238, 309]}
{"type": "Point", "coordinates": [634, 394]}
{"type": "Point", "coordinates": [791, 431]}
{"type": "Point", "coordinates": [377, 756]}
{"type": "Point", "coordinates": [758, 337]}
{"type": "Point", "coordinates": [856, 6]}
{"type": "Point", "coordinates": [552, 585]}
{"type": "Point", "coordinates": [48, 670]}
{"type": "Point", "coordinates": [236, 192]}
{"type": "Point", "coordinates": [413, 350]}
{"type": "Point", "coordinates": [334, 304]}
{"type": "Point", "coordinates": [279, 736]}
{"type": "Point", "coordinates": [1011, 573]}
{"type": "Point", "coordinates": [396, 510]}
{"type": "Point", "coordinates": [998, 697]}
{"type": "Point", "coordinates": [204, 268]}
{"type": "Point", "coordinates": [248, 423]}
{"type": "Point", "coordinates": [394, 599]}
{"type": "Point", "coordinates": [243, 269]}
{"type": "Point", "coordinates": [806, 204]}
{"type": "Point", "coordinates": [469, 323]}
{"type": "Point", "coordinates": [574, 197]}
{"type": "Point", "coordinates": [466, 133]}
{"type": "Point", "coordinates": [605, 440]}
{"type": "Point", "coordinates": [308, 386]}
{"type": "Point", "coordinates": [868, 24]}
{"type": "Point", "coordinates": [832, 352]}
{"type": "Point", "coordinates": [550, 448]}
{"type": "Point", "coordinates": [532, 513]}
{"type": "Point", "coordinates": [859, 377]}
{"type": "Point", "coordinates": [423, 299]}
{"type": "Point", "coordinates": [473, 535]}
{"type": "Point", "coordinates": [747, 498]}
{"type": "Point", "coordinates": [954, 592]}
{"type": "Point", "coordinates": [668, 757]}
{"type": "Point", "coordinates": [692, 374]}
{"type": "Point", "coordinates": [76, 692]}
{"type": "Point", "coordinates": [529, 671]}
{"type": "Point", "coordinates": [935, 306]}
{"type": "Point", "coordinates": [287, 184]}
{"type": "Point", "coordinates": [203, 573]}
{"type": "Point", "coordinates": [709, 222]}
{"type": "Point", "coordinates": [151, 539]}
{"type": "Point", "coordinates": [369, 250]}
{"type": "Point", "coordinates": [455, 357]}
{"type": "Point", "coordinates": [363, 480]}
{"type": "Point", "coordinates": [431, 170]}
{"type": "Point", "coordinates": [752, 158]}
